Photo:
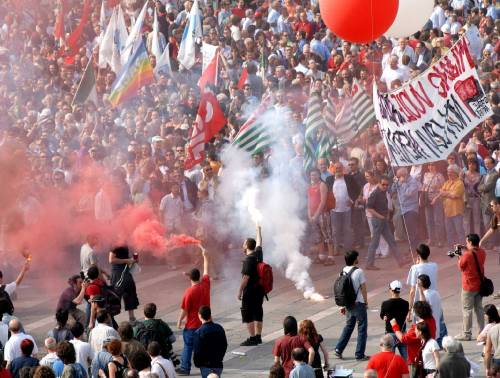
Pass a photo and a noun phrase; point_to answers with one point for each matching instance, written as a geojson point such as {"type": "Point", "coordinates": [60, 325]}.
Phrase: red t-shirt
{"type": "Point", "coordinates": [388, 365]}
{"type": "Point", "coordinates": [283, 348]}
{"type": "Point", "coordinates": [4, 373]}
{"type": "Point", "coordinates": [413, 343]}
{"type": "Point", "coordinates": [240, 12]}
{"type": "Point", "coordinates": [470, 275]}
{"type": "Point", "coordinates": [94, 288]}
{"type": "Point", "coordinates": [195, 297]}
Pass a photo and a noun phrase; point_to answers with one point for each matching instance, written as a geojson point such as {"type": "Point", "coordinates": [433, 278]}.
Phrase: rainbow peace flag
{"type": "Point", "coordinates": [137, 73]}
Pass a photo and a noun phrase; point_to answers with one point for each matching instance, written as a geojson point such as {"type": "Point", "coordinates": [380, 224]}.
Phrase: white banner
{"type": "Point", "coordinates": [425, 119]}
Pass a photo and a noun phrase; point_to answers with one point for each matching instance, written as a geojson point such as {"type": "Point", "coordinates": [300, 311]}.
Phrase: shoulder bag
{"type": "Point", "coordinates": [486, 288]}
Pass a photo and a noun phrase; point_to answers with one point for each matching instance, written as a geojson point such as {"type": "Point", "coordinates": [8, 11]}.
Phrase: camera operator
{"type": "Point", "coordinates": [471, 281]}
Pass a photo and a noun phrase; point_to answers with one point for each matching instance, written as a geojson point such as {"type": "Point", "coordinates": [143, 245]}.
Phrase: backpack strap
{"type": "Point", "coordinates": [162, 368]}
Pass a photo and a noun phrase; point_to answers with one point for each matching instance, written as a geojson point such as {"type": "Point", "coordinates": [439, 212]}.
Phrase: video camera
{"type": "Point", "coordinates": [457, 251]}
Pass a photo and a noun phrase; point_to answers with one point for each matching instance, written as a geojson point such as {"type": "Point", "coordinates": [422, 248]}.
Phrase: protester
{"type": "Point", "coordinates": [122, 279]}
{"type": "Point", "coordinates": [395, 308]}
{"type": "Point", "coordinates": [101, 332]}
{"type": "Point", "coordinates": [301, 369]}
{"type": "Point", "coordinates": [141, 362]}
{"type": "Point", "coordinates": [453, 363]}
{"type": "Point", "coordinates": [67, 367]}
{"type": "Point", "coordinates": [129, 343]}
{"type": "Point", "coordinates": [196, 296]}
{"type": "Point", "coordinates": [308, 331]}
{"type": "Point", "coordinates": [152, 329]}
{"type": "Point", "coordinates": [71, 297]}
{"type": "Point", "coordinates": [163, 367]}
{"type": "Point", "coordinates": [209, 345]}
{"type": "Point", "coordinates": [12, 348]}
{"type": "Point", "coordinates": [51, 356]}
{"type": "Point", "coordinates": [118, 363]}
{"type": "Point", "coordinates": [8, 290]}
{"type": "Point", "coordinates": [26, 360]}
{"type": "Point", "coordinates": [83, 351]}
{"type": "Point", "coordinates": [357, 312]}
{"type": "Point", "coordinates": [471, 264]}
{"type": "Point", "coordinates": [386, 362]}
{"type": "Point", "coordinates": [251, 294]}
{"type": "Point", "coordinates": [61, 331]}
{"type": "Point", "coordinates": [284, 346]}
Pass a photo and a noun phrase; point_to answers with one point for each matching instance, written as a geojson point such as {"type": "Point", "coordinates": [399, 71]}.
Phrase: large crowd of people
{"type": "Point", "coordinates": [288, 53]}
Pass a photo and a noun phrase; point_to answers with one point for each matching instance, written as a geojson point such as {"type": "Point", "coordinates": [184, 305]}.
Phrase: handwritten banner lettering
{"type": "Point", "coordinates": [425, 119]}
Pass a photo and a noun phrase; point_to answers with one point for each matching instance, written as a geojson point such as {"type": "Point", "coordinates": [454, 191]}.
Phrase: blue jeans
{"type": "Point", "coordinates": [443, 331]}
{"type": "Point", "coordinates": [187, 351]}
{"type": "Point", "coordinates": [381, 228]}
{"type": "Point", "coordinates": [434, 219]}
{"type": "Point", "coordinates": [454, 229]}
{"type": "Point", "coordinates": [342, 232]}
{"type": "Point", "coordinates": [354, 314]}
{"type": "Point", "coordinates": [206, 371]}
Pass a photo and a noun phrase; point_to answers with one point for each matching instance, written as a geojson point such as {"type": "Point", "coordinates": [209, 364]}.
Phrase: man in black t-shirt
{"type": "Point", "coordinates": [251, 293]}
{"type": "Point", "coordinates": [395, 308]}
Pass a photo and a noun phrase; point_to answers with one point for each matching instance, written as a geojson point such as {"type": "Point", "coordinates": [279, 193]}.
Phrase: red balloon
{"type": "Point", "coordinates": [359, 21]}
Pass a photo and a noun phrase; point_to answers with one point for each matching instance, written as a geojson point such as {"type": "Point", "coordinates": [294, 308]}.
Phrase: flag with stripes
{"type": "Point", "coordinates": [315, 126]}
{"type": "Point", "coordinates": [254, 135]}
{"type": "Point", "coordinates": [356, 114]}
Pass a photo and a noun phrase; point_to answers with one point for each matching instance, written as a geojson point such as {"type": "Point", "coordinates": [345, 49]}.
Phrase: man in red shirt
{"type": "Point", "coordinates": [239, 10]}
{"type": "Point", "coordinates": [283, 347]}
{"type": "Point", "coordinates": [471, 282]}
{"type": "Point", "coordinates": [93, 290]}
{"type": "Point", "coordinates": [387, 363]}
{"type": "Point", "coordinates": [196, 296]}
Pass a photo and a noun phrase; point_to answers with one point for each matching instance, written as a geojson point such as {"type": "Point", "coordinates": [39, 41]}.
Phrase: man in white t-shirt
{"type": "Point", "coordinates": [423, 266]}
{"type": "Point", "coordinates": [51, 356]}
{"type": "Point", "coordinates": [159, 365]}
{"type": "Point", "coordinates": [434, 299]}
{"type": "Point", "coordinates": [12, 348]}
{"type": "Point", "coordinates": [356, 313]}
{"type": "Point", "coordinates": [403, 49]}
{"type": "Point", "coordinates": [10, 289]}
{"type": "Point", "coordinates": [392, 72]}
{"type": "Point", "coordinates": [83, 351]}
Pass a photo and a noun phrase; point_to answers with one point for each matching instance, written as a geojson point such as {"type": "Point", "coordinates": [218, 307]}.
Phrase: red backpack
{"type": "Point", "coordinates": [265, 272]}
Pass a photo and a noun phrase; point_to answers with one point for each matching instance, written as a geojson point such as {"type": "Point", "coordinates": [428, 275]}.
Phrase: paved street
{"type": "Point", "coordinates": [38, 295]}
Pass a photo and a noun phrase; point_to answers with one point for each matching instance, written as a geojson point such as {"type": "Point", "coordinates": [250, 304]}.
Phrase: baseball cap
{"type": "Point", "coordinates": [395, 285]}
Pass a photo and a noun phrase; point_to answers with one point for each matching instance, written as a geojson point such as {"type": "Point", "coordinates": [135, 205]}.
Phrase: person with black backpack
{"type": "Point", "coordinates": [351, 295]}
{"type": "Point", "coordinates": [152, 329]}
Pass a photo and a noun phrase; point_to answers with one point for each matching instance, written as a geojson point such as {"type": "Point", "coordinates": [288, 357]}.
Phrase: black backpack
{"type": "Point", "coordinates": [6, 306]}
{"type": "Point", "coordinates": [343, 289]}
{"type": "Point", "coordinates": [112, 300]}
{"type": "Point", "coordinates": [146, 333]}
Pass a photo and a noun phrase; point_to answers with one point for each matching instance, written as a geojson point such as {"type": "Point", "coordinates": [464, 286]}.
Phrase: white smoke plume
{"type": "Point", "coordinates": [276, 203]}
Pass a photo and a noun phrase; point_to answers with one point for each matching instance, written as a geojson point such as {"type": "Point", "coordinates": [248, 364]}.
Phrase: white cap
{"type": "Point", "coordinates": [395, 285]}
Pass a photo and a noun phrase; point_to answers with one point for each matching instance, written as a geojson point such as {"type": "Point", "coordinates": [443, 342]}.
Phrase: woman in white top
{"type": "Point", "coordinates": [491, 318]}
{"type": "Point", "coordinates": [371, 184]}
{"type": "Point", "coordinates": [429, 351]}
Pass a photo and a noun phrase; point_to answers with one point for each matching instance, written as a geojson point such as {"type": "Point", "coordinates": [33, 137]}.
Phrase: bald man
{"type": "Point", "coordinates": [386, 363]}
{"type": "Point", "coordinates": [13, 346]}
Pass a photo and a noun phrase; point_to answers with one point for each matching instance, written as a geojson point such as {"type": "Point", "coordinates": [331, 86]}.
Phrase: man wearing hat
{"type": "Point", "coordinates": [395, 308]}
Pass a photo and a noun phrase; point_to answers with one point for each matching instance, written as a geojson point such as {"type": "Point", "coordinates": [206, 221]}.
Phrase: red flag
{"type": "Point", "coordinates": [73, 41]}
{"type": "Point", "coordinates": [209, 121]}
{"type": "Point", "coordinates": [209, 76]}
{"type": "Point", "coordinates": [112, 3]}
{"type": "Point", "coordinates": [243, 78]}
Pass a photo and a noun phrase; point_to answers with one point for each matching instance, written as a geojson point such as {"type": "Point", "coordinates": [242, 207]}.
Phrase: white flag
{"type": "Point", "coordinates": [208, 52]}
{"type": "Point", "coordinates": [192, 32]}
{"type": "Point", "coordinates": [102, 21]}
{"type": "Point", "coordinates": [135, 37]}
{"type": "Point", "coordinates": [163, 63]}
{"type": "Point", "coordinates": [155, 42]}
{"type": "Point", "coordinates": [106, 42]}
